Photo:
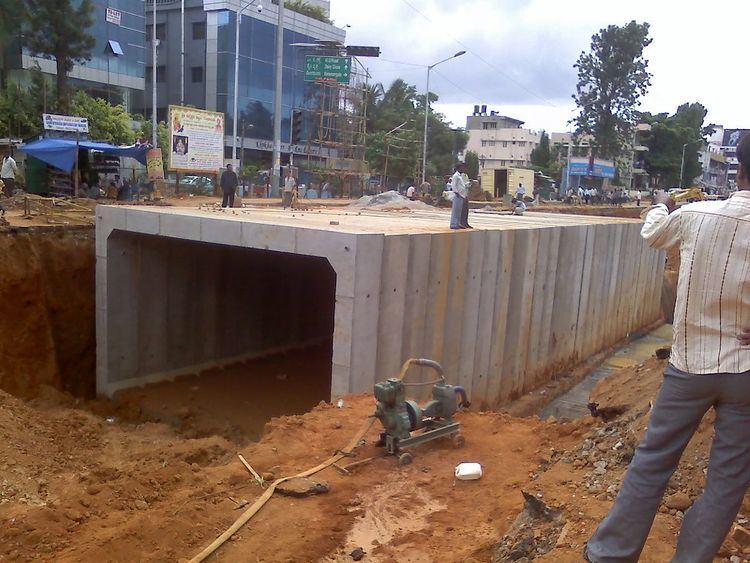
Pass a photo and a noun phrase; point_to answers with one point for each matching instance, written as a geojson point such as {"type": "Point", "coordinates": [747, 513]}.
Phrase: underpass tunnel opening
{"type": "Point", "coordinates": [225, 338]}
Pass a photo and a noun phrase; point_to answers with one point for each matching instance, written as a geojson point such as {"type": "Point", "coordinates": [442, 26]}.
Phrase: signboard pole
{"type": "Point", "coordinates": [77, 172]}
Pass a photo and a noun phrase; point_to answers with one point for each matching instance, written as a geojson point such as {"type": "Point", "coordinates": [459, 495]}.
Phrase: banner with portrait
{"type": "Point", "coordinates": [196, 140]}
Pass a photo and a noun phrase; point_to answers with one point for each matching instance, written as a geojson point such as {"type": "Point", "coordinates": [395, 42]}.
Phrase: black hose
{"type": "Point", "coordinates": [464, 399]}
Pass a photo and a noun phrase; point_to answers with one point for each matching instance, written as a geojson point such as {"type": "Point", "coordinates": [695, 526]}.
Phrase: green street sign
{"type": "Point", "coordinates": [327, 68]}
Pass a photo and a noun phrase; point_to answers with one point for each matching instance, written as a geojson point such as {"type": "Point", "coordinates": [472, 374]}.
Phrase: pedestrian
{"type": "Point", "coordinates": [460, 207]}
{"type": "Point", "coordinates": [521, 191]}
{"type": "Point", "coordinates": [518, 206]}
{"type": "Point", "coordinates": [289, 185]}
{"type": "Point", "coordinates": [228, 183]}
{"type": "Point", "coordinates": [638, 196]}
{"type": "Point", "coordinates": [8, 173]}
{"type": "Point", "coordinates": [410, 192]}
{"type": "Point", "coordinates": [709, 368]}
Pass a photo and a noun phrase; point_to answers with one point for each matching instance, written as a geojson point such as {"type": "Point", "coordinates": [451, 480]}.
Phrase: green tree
{"type": "Point", "coordinates": [18, 115]}
{"type": "Point", "coordinates": [13, 15]}
{"type": "Point", "coordinates": [541, 156]}
{"type": "Point", "coordinates": [162, 135]}
{"type": "Point", "coordinates": [58, 29]}
{"type": "Point", "coordinates": [612, 78]}
{"type": "Point", "coordinates": [472, 164]}
{"type": "Point", "coordinates": [668, 135]}
{"type": "Point", "coordinates": [107, 123]}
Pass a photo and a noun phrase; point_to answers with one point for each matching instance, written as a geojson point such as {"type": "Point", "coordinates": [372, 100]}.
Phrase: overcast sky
{"type": "Point", "coordinates": [521, 52]}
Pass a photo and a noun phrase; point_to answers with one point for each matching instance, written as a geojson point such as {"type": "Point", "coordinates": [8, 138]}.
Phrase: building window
{"type": "Point", "coordinates": [196, 73]}
{"type": "Point", "coordinates": [521, 143]}
{"type": "Point", "coordinates": [502, 163]}
{"type": "Point", "coordinates": [199, 30]}
{"type": "Point", "coordinates": [486, 143]}
{"type": "Point", "coordinates": [161, 73]}
{"type": "Point", "coordinates": [505, 144]}
{"type": "Point", "coordinates": [161, 31]}
{"type": "Point", "coordinates": [489, 125]}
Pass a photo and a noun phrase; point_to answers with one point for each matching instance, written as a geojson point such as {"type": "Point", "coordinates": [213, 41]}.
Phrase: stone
{"type": "Point", "coordinates": [303, 487]}
{"type": "Point", "coordinates": [678, 501]}
{"type": "Point", "coordinates": [357, 554]}
{"type": "Point", "coordinates": [741, 535]}
{"type": "Point", "coordinates": [141, 504]}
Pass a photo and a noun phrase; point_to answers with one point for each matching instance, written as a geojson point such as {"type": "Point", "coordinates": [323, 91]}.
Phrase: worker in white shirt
{"type": "Point", "coordinates": [709, 369]}
{"type": "Point", "coordinates": [410, 192]}
{"type": "Point", "coordinates": [460, 209]}
{"type": "Point", "coordinates": [8, 173]}
{"type": "Point", "coordinates": [290, 184]}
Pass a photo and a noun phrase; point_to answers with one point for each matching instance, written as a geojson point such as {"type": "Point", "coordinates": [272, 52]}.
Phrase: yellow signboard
{"type": "Point", "coordinates": [197, 140]}
{"type": "Point", "coordinates": [155, 164]}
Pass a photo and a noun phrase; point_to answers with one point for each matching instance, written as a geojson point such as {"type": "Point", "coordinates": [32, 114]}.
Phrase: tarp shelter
{"type": "Point", "coordinates": [61, 153]}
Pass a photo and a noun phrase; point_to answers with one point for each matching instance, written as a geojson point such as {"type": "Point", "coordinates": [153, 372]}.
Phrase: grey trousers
{"type": "Point", "coordinates": [683, 400]}
{"type": "Point", "coordinates": [459, 212]}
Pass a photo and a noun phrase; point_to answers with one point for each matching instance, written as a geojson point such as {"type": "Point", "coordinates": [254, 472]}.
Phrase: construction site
{"type": "Point", "coordinates": [195, 383]}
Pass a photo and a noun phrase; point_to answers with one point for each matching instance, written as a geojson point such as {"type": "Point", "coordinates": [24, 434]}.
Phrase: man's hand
{"type": "Point", "coordinates": [744, 337]}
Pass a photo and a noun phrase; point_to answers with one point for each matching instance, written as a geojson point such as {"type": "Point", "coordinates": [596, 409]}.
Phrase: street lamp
{"type": "Point", "coordinates": [427, 112]}
{"type": "Point", "coordinates": [682, 163]}
{"type": "Point", "coordinates": [259, 7]}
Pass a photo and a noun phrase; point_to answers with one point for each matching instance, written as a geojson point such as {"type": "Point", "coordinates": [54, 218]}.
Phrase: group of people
{"type": "Point", "coordinates": [290, 191]}
{"type": "Point", "coordinates": [595, 196]}
{"type": "Point", "coordinates": [115, 188]}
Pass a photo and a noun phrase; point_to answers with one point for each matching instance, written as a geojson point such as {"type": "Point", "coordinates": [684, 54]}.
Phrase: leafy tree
{"type": "Point", "coordinates": [395, 126]}
{"type": "Point", "coordinates": [541, 156]}
{"type": "Point", "coordinates": [472, 164]}
{"type": "Point", "coordinates": [57, 29]}
{"type": "Point", "coordinates": [13, 14]}
{"type": "Point", "coordinates": [18, 116]}
{"type": "Point", "coordinates": [306, 9]}
{"type": "Point", "coordinates": [108, 123]}
{"type": "Point", "coordinates": [612, 78]}
{"type": "Point", "coordinates": [669, 133]}
{"type": "Point", "coordinates": [162, 134]}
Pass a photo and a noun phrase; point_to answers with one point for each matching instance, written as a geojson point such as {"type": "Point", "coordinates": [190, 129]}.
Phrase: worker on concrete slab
{"type": "Point", "coordinates": [709, 368]}
{"type": "Point", "coordinates": [8, 173]}
{"type": "Point", "coordinates": [289, 186]}
{"type": "Point", "coordinates": [460, 208]}
{"type": "Point", "coordinates": [229, 183]}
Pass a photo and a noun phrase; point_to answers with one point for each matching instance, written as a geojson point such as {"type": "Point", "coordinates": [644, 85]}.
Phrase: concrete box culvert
{"type": "Point", "coordinates": [502, 307]}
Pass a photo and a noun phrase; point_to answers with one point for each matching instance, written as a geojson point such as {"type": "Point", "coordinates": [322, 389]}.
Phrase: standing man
{"type": "Point", "coordinates": [289, 184]}
{"type": "Point", "coordinates": [638, 196]}
{"type": "Point", "coordinates": [229, 183]}
{"type": "Point", "coordinates": [709, 368]}
{"type": "Point", "coordinates": [460, 208]}
{"type": "Point", "coordinates": [521, 191]}
{"type": "Point", "coordinates": [8, 174]}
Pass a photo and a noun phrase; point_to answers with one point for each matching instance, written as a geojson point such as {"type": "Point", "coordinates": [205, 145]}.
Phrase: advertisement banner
{"type": "Point", "coordinates": [598, 168]}
{"type": "Point", "coordinates": [155, 164]}
{"type": "Point", "coordinates": [732, 136]}
{"type": "Point", "coordinates": [197, 140]}
{"type": "Point", "coordinates": [114, 16]}
{"type": "Point", "coordinates": [72, 123]}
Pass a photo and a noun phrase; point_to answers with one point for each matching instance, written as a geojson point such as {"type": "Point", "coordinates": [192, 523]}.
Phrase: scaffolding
{"type": "Point", "coordinates": [338, 129]}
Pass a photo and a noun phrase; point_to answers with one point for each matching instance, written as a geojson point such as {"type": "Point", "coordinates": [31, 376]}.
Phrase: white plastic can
{"type": "Point", "coordinates": [468, 471]}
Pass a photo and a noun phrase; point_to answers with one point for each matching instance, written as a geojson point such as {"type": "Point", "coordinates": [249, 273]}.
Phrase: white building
{"type": "Point", "coordinates": [500, 141]}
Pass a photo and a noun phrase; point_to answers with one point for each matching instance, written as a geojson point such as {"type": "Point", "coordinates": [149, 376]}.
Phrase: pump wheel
{"type": "Point", "coordinates": [405, 458]}
{"type": "Point", "coordinates": [458, 440]}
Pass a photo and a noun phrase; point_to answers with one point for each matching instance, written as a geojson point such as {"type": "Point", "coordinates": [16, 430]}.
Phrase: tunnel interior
{"type": "Point", "coordinates": [238, 335]}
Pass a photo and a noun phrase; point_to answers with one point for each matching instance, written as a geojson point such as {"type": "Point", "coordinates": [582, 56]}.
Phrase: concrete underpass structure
{"type": "Point", "coordinates": [502, 307]}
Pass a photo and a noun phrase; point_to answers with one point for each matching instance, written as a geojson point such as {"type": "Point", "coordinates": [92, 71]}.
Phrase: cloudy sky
{"type": "Point", "coordinates": [521, 52]}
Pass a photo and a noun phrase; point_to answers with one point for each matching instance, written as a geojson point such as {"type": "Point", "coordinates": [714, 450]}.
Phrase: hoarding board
{"type": "Point", "coordinates": [71, 123]}
{"type": "Point", "coordinates": [732, 137]}
{"type": "Point", "coordinates": [597, 168]}
{"type": "Point", "coordinates": [328, 68]}
{"type": "Point", "coordinates": [197, 140]}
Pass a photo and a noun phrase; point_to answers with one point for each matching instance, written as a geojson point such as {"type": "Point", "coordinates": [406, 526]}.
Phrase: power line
{"type": "Point", "coordinates": [485, 61]}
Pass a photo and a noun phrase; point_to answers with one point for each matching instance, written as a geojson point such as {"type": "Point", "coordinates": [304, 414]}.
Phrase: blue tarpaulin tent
{"type": "Point", "coordinates": [61, 153]}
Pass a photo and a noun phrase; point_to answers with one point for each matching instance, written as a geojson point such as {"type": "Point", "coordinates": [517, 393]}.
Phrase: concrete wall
{"type": "Point", "coordinates": [501, 307]}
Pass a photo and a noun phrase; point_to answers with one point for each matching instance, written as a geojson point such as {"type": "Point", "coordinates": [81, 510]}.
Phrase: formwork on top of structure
{"type": "Point", "coordinates": [504, 306]}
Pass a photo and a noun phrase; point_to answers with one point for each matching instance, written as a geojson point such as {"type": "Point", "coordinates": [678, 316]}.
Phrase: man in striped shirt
{"type": "Point", "coordinates": [709, 368]}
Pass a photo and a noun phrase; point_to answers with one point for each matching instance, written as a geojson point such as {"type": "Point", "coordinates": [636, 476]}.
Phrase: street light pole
{"type": "Point", "coordinates": [427, 112]}
{"type": "Point", "coordinates": [682, 163]}
{"type": "Point", "coordinates": [154, 43]}
{"type": "Point", "coordinates": [237, 77]}
{"type": "Point", "coordinates": [275, 180]}
{"type": "Point", "coordinates": [182, 53]}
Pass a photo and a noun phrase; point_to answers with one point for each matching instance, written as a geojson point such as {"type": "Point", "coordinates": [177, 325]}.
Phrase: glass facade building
{"type": "Point", "coordinates": [117, 66]}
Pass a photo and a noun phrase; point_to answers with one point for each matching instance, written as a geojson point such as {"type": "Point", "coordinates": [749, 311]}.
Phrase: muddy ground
{"type": "Point", "coordinates": [81, 484]}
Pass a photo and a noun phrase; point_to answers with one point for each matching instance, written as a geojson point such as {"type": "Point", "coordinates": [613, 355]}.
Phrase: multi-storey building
{"type": "Point", "coordinates": [500, 141]}
{"type": "Point", "coordinates": [210, 49]}
{"type": "Point", "coordinates": [117, 66]}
